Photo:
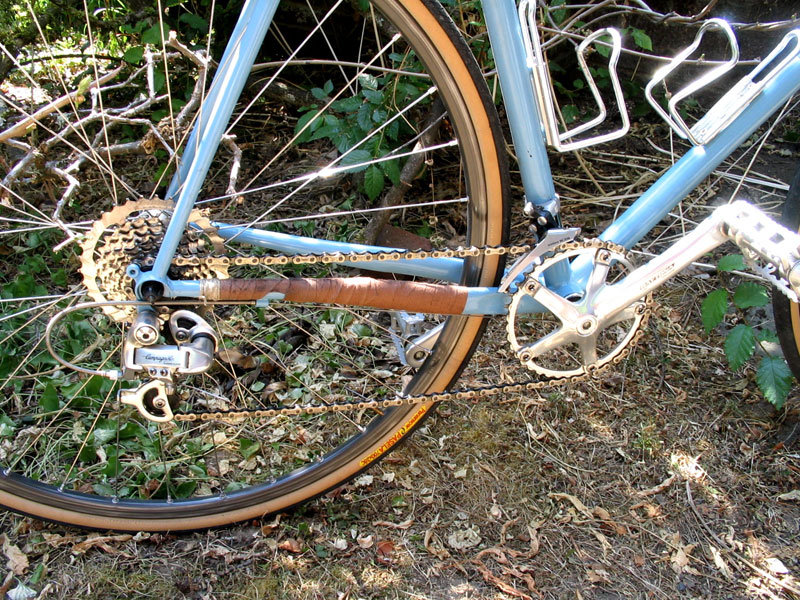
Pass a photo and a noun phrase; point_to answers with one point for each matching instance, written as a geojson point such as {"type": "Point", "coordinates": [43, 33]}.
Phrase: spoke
{"type": "Point", "coordinates": [285, 63]}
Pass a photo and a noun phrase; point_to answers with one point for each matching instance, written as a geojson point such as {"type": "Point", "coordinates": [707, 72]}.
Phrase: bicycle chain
{"type": "Point", "coordinates": [474, 393]}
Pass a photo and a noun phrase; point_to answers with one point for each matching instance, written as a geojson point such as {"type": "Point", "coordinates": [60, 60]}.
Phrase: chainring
{"type": "Point", "coordinates": [132, 233]}
{"type": "Point", "coordinates": [570, 338]}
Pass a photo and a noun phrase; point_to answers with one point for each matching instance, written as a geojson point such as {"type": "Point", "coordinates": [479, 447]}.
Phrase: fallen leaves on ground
{"type": "Point", "coordinates": [17, 559]}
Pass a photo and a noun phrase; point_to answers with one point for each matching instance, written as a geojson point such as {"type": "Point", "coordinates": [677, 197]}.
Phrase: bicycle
{"type": "Point", "coordinates": [239, 396]}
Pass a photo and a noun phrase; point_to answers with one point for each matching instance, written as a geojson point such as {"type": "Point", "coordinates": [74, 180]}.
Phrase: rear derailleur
{"type": "Point", "coordinates": [192, 353]}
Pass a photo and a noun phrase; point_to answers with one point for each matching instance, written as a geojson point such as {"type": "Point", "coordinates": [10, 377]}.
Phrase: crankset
{"type": "Point", "coordinates": [574, 336]}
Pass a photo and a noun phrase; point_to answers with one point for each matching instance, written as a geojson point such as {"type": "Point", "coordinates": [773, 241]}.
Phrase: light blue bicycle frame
{"type": "Point", "coordinates": [523, 114]}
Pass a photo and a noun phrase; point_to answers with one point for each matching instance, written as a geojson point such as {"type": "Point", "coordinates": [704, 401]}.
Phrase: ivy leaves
{"type": "Point", "coordinates": [773, 376]}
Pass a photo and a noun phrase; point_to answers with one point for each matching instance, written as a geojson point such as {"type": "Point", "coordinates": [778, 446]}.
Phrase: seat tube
{"type": "Point", "coordinates": [516, 81]}
{"type": "Point", "coordinates": [515, 74]}
{"type": "Point", "coordinates": [228, 82]}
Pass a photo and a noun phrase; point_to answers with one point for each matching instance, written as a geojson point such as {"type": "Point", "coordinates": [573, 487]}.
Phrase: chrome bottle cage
{"type": "Point", "coordinates": [540, 75]}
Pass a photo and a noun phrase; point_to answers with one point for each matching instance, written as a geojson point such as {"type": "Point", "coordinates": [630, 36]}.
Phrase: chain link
{"type": "Point", "coordinates": [350, 257]}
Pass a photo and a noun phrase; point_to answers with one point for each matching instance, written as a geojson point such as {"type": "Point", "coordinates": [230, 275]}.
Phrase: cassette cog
{"type": "Point", "coordinates": [132, 233]}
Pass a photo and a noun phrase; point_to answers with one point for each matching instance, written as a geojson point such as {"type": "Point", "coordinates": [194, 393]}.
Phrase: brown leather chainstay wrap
{"type": "Point", "coordinates": [381, 294]}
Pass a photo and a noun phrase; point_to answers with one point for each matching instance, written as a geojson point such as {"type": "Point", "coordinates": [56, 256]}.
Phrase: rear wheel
{"type": "Point", "coordinates": [381, 112]}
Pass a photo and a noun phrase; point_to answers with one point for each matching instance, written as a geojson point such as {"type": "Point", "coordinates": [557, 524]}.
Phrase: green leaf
{"type": "Point", "coordinates": [319, 93]}
{"type": "Point", "coordinates": [49, 398]}
{"type": "Point", "coordinates": [732, 262]}
{"type": "Point", "coordinates": [133, 55]}
{"type": "Point", "coordinates": [749, 294]}
{"type": "Point", "coordinates": [368, 82]}
{"type": "Point", "coordinates": [380, 115]}
{"type": "Point", "coordinates": [306, 126]}
{"type": "Point", "coordinates": [713, 309]}
{"type": "Point", "coordinates": [601, 47]}
{"type": "Point", "coordinates": [570, 113]}
{"type": "Point", "coordinates": [374, 97]}
{"type": "Point", "coordinates": [373, 182]}
{"type": "Point", "coordinates": [195, 22]}
{"type": "Point", "coordinates": [347, 105]}
{"type": "Point", "coordinates": [767, 335]}
{"type": "Point", "coordinates": [558, 15]}
{"type": "Point", "coordinates": [364, 116]}
{"type": "Point", "coordinates": [641, 39]}
{"type": "Point", "coordinates": [6, 426]}
{"type": "Point", "coordinates": [185, 489]}
{"type": "Point", "coordinates": [739, 346]}
{"type": "Point", "coordinates": [155, 34]}
{"type": "Point", "coordinates": [391, 168]}
{"type": "Point", "coordinates": [159, 79]}
{"type": "Point", "coordinates": [248, 448]}
{"type": "Point", "coordinates": [356, 157]}
{"type": "Point", "coordinates": [774, 380]}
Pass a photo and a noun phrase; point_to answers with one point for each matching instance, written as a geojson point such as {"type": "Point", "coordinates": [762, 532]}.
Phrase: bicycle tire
{"type": "Point", "coordinates": [786, 312]}
{"type": "Point", "coordinates": [54, 466]}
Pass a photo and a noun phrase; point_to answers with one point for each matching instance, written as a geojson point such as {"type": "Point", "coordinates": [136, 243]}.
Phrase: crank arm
{"type": "Point", "coordinates": [760, 237]}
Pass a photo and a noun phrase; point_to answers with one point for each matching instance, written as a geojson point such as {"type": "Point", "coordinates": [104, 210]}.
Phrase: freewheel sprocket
{"type": "Point", "coordinates": [572, 336]}
{"type": "Point", "coordinates": [132, 233]}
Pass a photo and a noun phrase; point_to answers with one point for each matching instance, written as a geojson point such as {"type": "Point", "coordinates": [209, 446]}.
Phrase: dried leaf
{"type": "Point", "coordinates": [270, 527]}
{"type": "Point", "coordinates": [17, 559]}
{"type": "Point", "coordinates": [102, 542]}
{"type": "Point", "coordinates": [490, 577]}
{"type": "Point", "coordinates": [22, 592]}
{"type": "Point", "coordinates": [598, 576]}
{"type": "Point", "coordinates": [575, 502]}
{"type": "Point", "coordinates": [365, 541]}
{"type": "Point", "coordinates": [56, 539]}
{"type": "Point", "coordinates": [534, 533]}
{"type": "Point", "coordinates": [658, 488]}
{"type": "Point", "coordinates": [776, 566]}
{"type": "Point", "coordinates": [385, 550]}
{"type": "Point", "coordinates": [719, 562]}
{"type": "Point", "coordinates": [434, 546]}
{"type": "Point", "coordinates": [793, 495]}
{"type": "Point", "coordinates": [236, 358]}
{"type": "Point", "coordinates": [680, 558]}
{"type": "Point", "coordinates": [340, 544]}
{"type": "Point", "coordinates": [290, 545]}
{"type": "Point", "coordinates": [404, 525]}
{"type": "Point", "coordinates": [464, 538]}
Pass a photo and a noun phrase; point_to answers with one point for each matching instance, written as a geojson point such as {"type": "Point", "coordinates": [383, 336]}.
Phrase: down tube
{"type": "Point", "coordinates": [700, 161]}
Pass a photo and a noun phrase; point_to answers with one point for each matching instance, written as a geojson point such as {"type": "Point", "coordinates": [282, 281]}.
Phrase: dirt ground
{"type": "Point", "coordinates": [666, 477]}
